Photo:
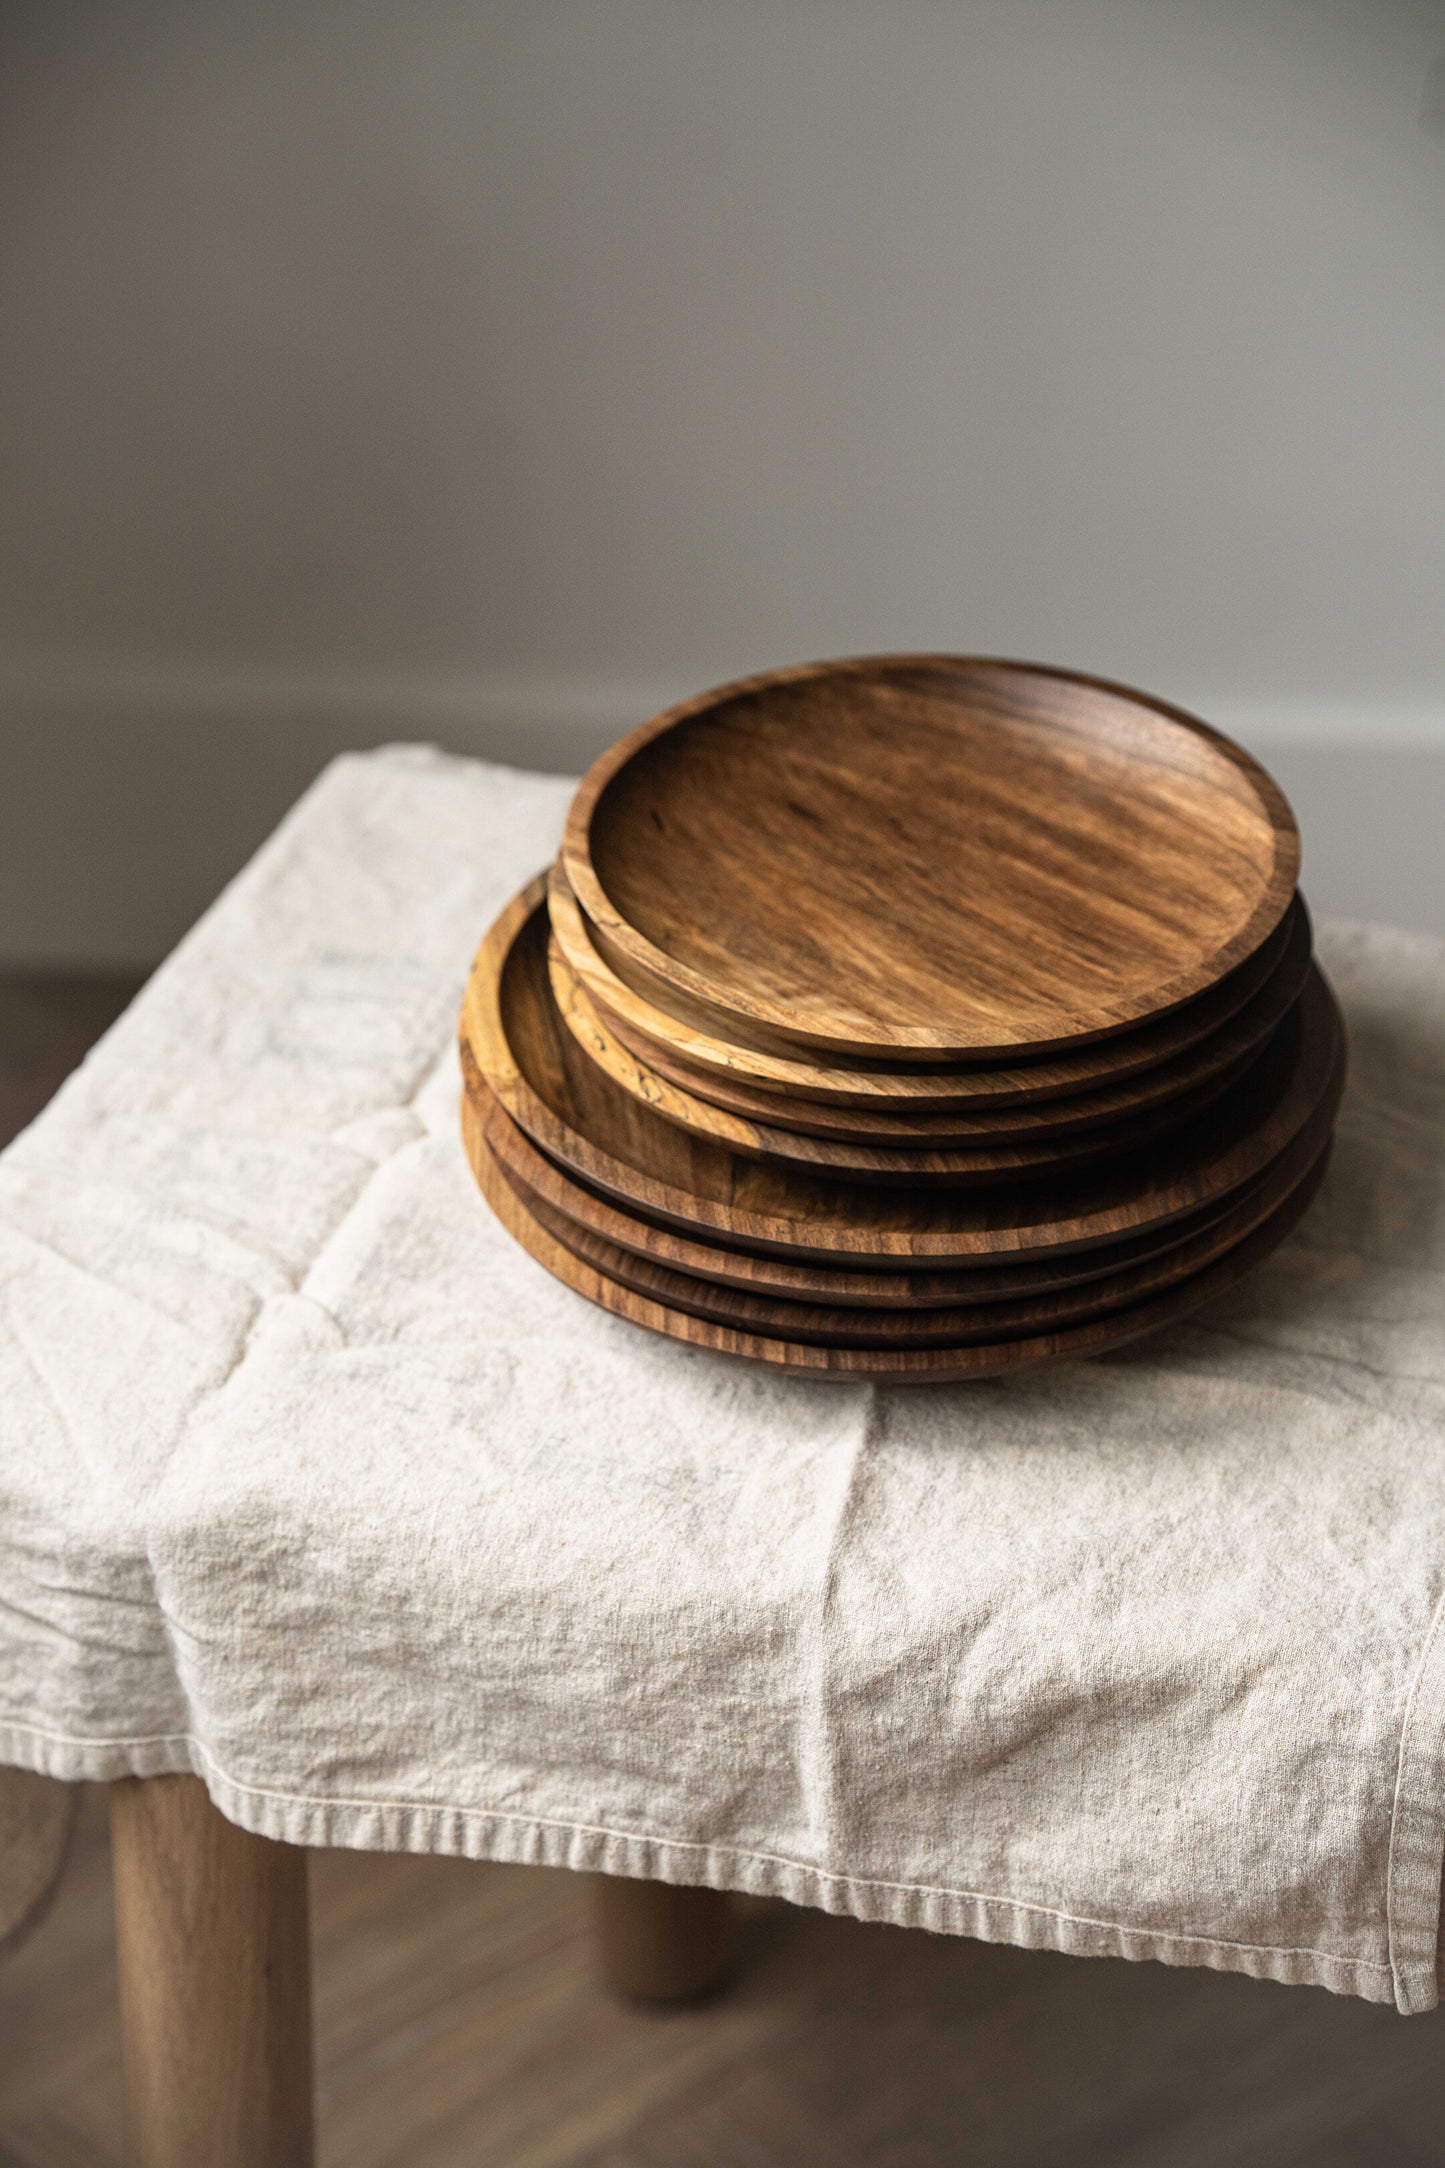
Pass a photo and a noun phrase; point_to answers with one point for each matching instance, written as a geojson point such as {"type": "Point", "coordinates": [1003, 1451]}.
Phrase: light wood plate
{"type": "Point", "coordinates": [513, 1037]}
{"type": "Point", "coordinates": [1039, 1151]}
{"type": "Point", "coordinates": [544, 1184]}
{"type": "Point", "coordinates": [833, 1325]}
{"type": "Point", "coordinates": [925, 856]}
{"type": "Point", "coordinates": [793, 1073]}
{"type": "Point", "coordinates": [901, 1366]}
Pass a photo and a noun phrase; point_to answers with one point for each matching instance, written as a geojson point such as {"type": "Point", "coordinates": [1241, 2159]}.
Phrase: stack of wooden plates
{"type": "Point", "coordinates": [919, 1018]}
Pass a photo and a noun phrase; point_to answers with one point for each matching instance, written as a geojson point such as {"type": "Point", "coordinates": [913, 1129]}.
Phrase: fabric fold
{"type": "Point", "coordinates": [311, 1482]}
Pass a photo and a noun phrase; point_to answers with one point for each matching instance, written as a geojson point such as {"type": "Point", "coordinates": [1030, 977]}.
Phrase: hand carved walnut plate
{"type": "Point", "coordinates": [1126, 1072]}
{"type": "Point", "coordinates": [897, 1365]}
{"type": "Point", "coordinates": [515, 1040]}
{"type": "Point", "coordinates": [1011, 1315]}
{"type": "Point", "coordinates": [928, 857]}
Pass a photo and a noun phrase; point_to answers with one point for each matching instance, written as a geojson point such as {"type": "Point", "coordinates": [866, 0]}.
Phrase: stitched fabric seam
{"type": "Point", "coordinates": [1407, 1811]}
{"type": "Point", "coordinates": [196, 1751]}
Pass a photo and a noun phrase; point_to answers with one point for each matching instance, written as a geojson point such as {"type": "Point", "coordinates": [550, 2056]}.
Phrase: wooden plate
{"type": "Point", "coordinates": [541, 1183]}
{"type": "Point", "coordinates": [1211, 1061]}
{"type": "Point", "coordinates": [1103, 1065]}
{"type": "Point", "coordinates": [929, 855]}
{"type": "Point", "coordinates": [901, 1366]}
{"type": "Point", "coordinates": [1044, 1151]}
{"type": "Point", "coordinates": [1034, 1134]}
{"type": "Point", "coordinates": [956, 1326]}
{"type": "Point", "coordinates": [580, 1118]}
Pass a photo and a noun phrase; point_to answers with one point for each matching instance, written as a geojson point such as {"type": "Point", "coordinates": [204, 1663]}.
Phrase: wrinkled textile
{"type": "Point", "coordinates": [313, 1483]}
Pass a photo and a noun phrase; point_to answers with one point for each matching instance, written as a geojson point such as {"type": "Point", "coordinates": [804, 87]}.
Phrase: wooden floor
{"type": "Point", "coordinates": [459, 2025]}
{"type": "Point", "coordinates": [46, 1024]}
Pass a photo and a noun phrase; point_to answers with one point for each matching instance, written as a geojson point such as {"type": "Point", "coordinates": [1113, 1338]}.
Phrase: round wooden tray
{"type": "Point", "coordinates": [926, 856]}
{"type": "Point", "coordinates": [831, 1325]}
{"type": "Point", "coordinates": [544, 1184]}
{"type": "Point", "coordinates": [902, 1366]}
{"type": "Point", "coordinates": [1037, 1151]}
{"type": "Point", "coordinates": [1134, 1057]}
{"type": "Point", "coordinates": [514, 1038]}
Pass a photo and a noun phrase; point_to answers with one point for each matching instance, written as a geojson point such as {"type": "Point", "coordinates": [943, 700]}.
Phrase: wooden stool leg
{"type": "Point", "coordinates": [215, 1984]}
{"type": "Point", "coordinates": [659, 1944]}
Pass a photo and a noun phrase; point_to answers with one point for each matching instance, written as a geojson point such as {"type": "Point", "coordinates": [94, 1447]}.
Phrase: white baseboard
{"type": "Point", "coordinates": [127, 799]}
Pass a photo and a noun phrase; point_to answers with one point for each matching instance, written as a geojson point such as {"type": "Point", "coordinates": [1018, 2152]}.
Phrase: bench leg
{"type": "Point", "coordinates": [214, 1984]}
{"type": "Point", "coordinates": [659, 1944]}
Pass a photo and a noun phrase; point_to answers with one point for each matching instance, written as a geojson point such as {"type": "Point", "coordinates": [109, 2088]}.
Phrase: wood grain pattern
{"type": "Point", "coordinates": [919, 856]}
{"type": "Point", "coordinates": [899, 1366]}
{"type": "Point", "coordinates": [214, 1982]}
{"type": "Point", "coordinates": [1208, 1062]}
{"type": "Point", "coordinates": [541, 1183]}
{"type": "Point", "coordinates": [835, 1326]}
{"type": "Point", "coordinates": [513, 1037]}
{"type": "Point", "coordinates": [795, 1073]}
{"type": "Point", "coordinates": [1040, 1151]}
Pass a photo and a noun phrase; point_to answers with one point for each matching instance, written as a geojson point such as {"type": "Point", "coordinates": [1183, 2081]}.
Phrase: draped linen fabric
{"type": "Point", "coordinates": [311, 1482]}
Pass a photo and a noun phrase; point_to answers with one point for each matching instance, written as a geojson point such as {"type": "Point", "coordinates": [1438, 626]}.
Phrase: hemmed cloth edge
{"type": "Point", "coordinates": [1417, 1833]}
{"type": "Point", "coordinates": [522, 1840]}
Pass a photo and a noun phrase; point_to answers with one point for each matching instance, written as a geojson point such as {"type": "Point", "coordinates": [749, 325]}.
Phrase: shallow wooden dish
{"type": "Point", "coordinates": [690, 1095]}
{"type": "Point", "coordinates": [794, 1073]}
{"type": "Point", "coordinates": [901, 1366]}
{"type": "Point", "coordinates": [1210, 1061]}
{"type": "Point", "coordinates": [513, 1037]}
{"type": "Point", "coordinates": [1040, 1150]}
{"type": "Point", "coordinates": [546, 1187]}
{"type": "Point", "coordinates": [832, 1325]}
{"type": "Point", "coordinates": [911, 857]}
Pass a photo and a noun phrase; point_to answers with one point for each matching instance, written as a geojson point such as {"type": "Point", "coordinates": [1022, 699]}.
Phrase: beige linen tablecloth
{"type": "Point", "coordinates": [312, 1482]}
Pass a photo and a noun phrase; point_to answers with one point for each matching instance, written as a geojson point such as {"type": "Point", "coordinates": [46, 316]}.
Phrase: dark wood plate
{"type": "Point", "coordinates": [542, 1183]}
{"type": "Point", "coordinates": [793, 1073]}
{"type": "Point", "coordinates": [513, 1037]}
{"type": "Point", "coordinates": [837, 1326]}
{"type": "Point", "coordinates": [927, 856]}
{"type": "Point", "coordinates": [902, 1366]}
{"type": "Point", "coordinates": [1039, 1151]}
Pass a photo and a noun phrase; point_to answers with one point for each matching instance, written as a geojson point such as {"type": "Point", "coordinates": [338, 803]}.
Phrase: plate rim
{"type": "Point", "coordinates": [1078, 1266]}
{"type": "Point", "coordinates": [975, 1362]}
{"type": "Point", "coordinates": [920, 1042]}
{"type": "Point", "coordinates": [483, 1040]}
{"type": "Point", "coordinates": [1308, 1155]}
{"type": "Point", "coordinates": [1011, 1160]}
{"type": "Point", "coordinates": [1019, 1083]}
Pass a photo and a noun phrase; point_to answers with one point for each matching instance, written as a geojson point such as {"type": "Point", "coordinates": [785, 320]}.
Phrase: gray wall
{"type": "Point", "coordinates": [493, 373]}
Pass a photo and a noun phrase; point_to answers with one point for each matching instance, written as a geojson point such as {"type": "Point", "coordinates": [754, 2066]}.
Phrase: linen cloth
{"type": "Point", "coordinates": [311, 1482]}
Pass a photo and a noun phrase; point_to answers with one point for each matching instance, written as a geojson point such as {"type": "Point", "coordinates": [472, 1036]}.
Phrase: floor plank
{"type": "Point", "coordinates": [46, 1026]}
